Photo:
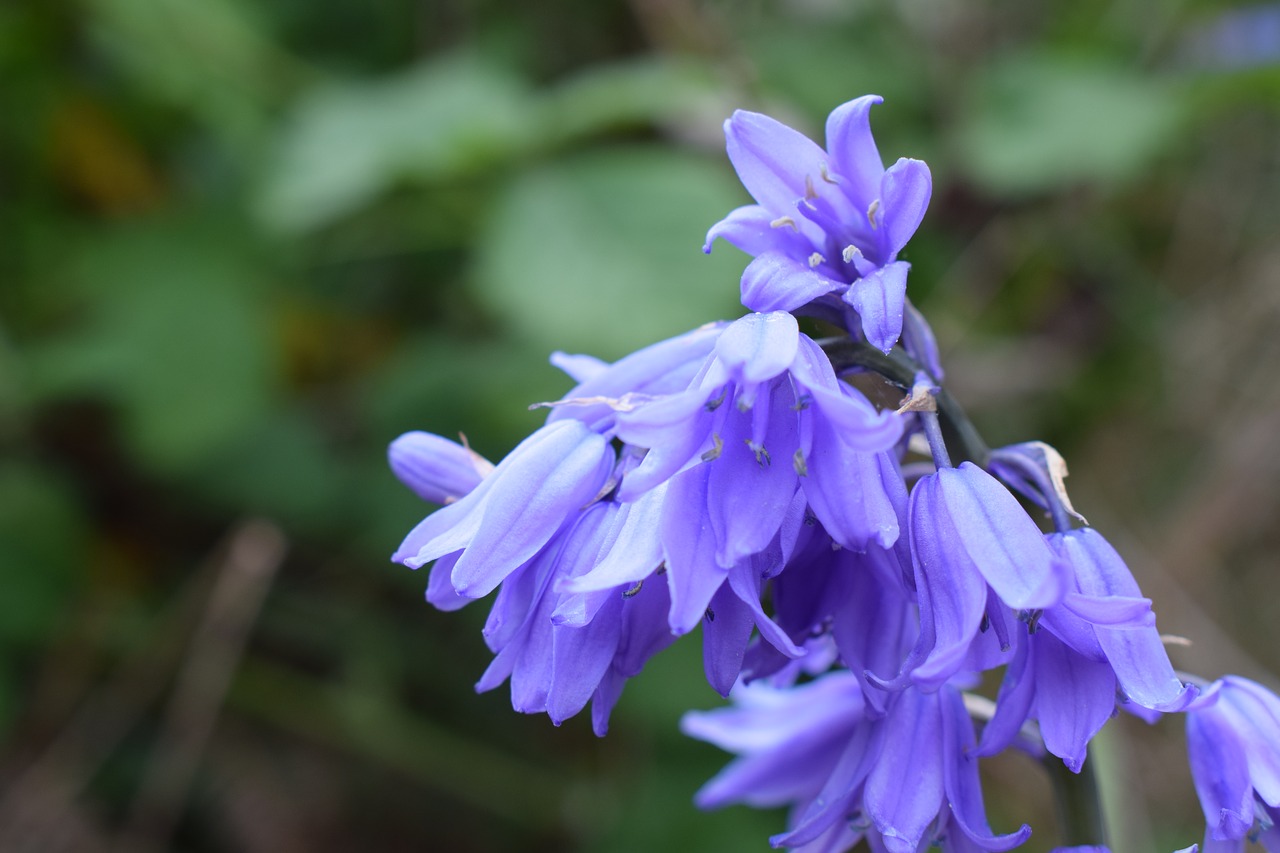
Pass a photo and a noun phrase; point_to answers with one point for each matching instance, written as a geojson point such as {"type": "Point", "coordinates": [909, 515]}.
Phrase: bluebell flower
{"type": "Point", "coordinates": [1100, 642]}
{"type": "Point", "coordinates": [828, 225]}
{"type": "Point", "coordinates": [977, 557]}
{"type": "Point", "coordinates": [541, 485]}
{"type": "Point", "coordinates": [857, 598]}
{"type": "Point", "coordinates": [437, 469]}
{"type": "Point", "coordinates": [1233, 742]}
{"type": "Point", "coordinates": [815, 748]}
{"type": "Point", "coordinates": [763, 427]}
{"type": "Point", "coordinates": [579, 609]}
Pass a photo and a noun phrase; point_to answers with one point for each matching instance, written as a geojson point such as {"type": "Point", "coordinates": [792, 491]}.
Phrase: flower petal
{"type": "Point", "coordinates": [745, 581]}
{"type": "Point", "coordinates": [725, 632]}
{"type": "Point", "coordinates": [879, 299]}
{"type": "Point", "coordinates": [952, 592]}
{"type": "Point", "coordinates": [530, 500]}
{"type": "Point", "coordinates": [690, 547]}
{"type": "Point", "coordinates": [1255, 713]}
{"type": "Point", "coordinates": [1220, 770]}
{"type": "Point", "coordinates": [1074, 698]}
{"type": "Point", "coordinates": [904, 197]}
{"type": "Point", "coordinates": [853, 151]}
{"type": "Point", "coordinates": [1137, 656]}
{"type": "Point", "coordinates": [778, 282]}
{"type": "Point", "coordinates": [635, 553]}
{"type": "Point", "coordinates": [581, 655]}
{"type": "Point", "coordinates": [964, 788]}
{"type": "Point", "coordinates": [437, 469]}
{"type": "Point", "coordinates": [579, 368]}
{"type": "Point", "coordinates": [758, 347]}
{"type": "Point", "coordinates": [1000, 538]}
{"type": "Point", "coordinates": [675, 429]}
{"type": "Point", "coordinates": [849, 491]}
{"type": "Point", "coordinates": [902, 805]}
{"type": "Point", "coordinates": [440, 592]}
{"type": "Point", "coordinates": [771, 159]}
{"type": "Point", "coordinates": [1013, 702]}
{"type": "Point", "coordinates": [750, 485]}
{"type": "Point", "coordinates": [751, 229]}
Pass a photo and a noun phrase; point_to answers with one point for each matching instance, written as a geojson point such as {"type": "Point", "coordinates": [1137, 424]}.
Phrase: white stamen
{"type": "Point", "coordinates": [784, 222]}
{"type": "Point", "coordinates": [872, 211]}
{"type": "Point", "coordinates": [850, 252]}
{"type": "Point", "coordinates": [816, 259]}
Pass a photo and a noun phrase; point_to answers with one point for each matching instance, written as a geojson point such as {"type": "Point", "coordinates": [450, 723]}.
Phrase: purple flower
{"type": "Point", "coordinates": [579, 610]}
{"type": "Point", "coordinates": [1233, 742]}
{"type": "Point", "coordinates": [560, 654]}
{"type": "Point", "coordinates": [859, 598]}
{"type": "Point", "coordinates": [437, 469]}
{"type": "Point", "coordinates": [977, 555]}
{"type": "Point", "coordinates": [495, 523]}
{"type": "Point", "coordinates": [815, 748]}
{"type": "Point", "coordinates": [515, 511]}
{"type": "Point", "coordinates": [764, 427]}
{"type": "Point", "coordinates": [827, 225]}
{"type": "Point", "coordinates": [1100, 639]}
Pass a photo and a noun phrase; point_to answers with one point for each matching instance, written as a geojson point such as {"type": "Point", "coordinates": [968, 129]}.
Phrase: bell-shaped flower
{"type": "Point", "coordinates": [764, 401]}
{"type": "Point", "coordinates": [976, 554]}
{"type": "Point", "coordinates": [735, 448]}
{"type": "Point", "coordinates": [560, 652]}
{"type": "Point", "coordinates": [828, 225]}
{"type": "Point", "coordinates": [515, 511]}
{"type": "Point", "coordinates": [815, 748]}
{"type": "Point", "coordinates": [1233, 742]}
{"type": "Point", "coordinates": [497, 519]}
{"type": "Point", "coordinates": [436, 469]}
{"type": "Point", "coordinates": [859, 599]}
{"type": "Point", "coordinates": [604, 389]}
{"type": "Point", "coordinates": [1099, 640]}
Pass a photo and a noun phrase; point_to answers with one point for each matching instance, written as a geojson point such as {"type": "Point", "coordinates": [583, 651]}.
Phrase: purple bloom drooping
{"type": "Point", "coordinates": [976, 554]}
{"type": "Point", "coordinates": [1233, 742]}
{"type": "Point", "coordinates": [815, 748]}
{"type": "Point", "coordinates": [744, 443]}
{"type": "Point", "coordinates": [1100, 639]}
{"type": "Point", "coordinates": [827, 225]}
{"type": "Point", "coordinates": [438, 470]}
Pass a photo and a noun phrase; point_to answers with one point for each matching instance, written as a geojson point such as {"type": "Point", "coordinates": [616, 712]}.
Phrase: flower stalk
{"type": "Point", "coordinates": [1077, 803]}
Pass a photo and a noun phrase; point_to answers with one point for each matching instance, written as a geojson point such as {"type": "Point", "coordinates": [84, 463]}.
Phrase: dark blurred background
{"type": "Point", "coordinates": [246, 244]}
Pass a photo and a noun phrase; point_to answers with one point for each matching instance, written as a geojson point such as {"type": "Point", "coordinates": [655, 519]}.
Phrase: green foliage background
{"type": "Point", "coordinates": [245, 245]}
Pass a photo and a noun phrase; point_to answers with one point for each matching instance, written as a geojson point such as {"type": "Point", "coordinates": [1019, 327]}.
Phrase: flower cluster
{"type": "Point", "coordinates": [850, 581]}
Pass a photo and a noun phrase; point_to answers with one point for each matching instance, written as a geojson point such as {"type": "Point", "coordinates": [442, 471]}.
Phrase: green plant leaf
{"type": "Point", "coordinates": [347, 143]}
{"type": "Point", "coordinates": [601, 253]}
{"type": "Point", "coordinates": [1038, 122]}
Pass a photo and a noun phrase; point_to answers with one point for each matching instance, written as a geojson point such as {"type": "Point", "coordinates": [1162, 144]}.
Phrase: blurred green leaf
{"type": "Point", "coordinates": [1038, 122]}
{"type": "Point", "coordinates": [41, 551]}
{"type": "Point", "coordinates": [444, 384]}
{"type": "Point", "coordinates": [840, 62]}
{"type": "Point", "coordinates": [600, 253]}
{"type": "Point", "coordinates": [212, 56]}
{"type": "Point", "coordinates": [174, 334]}
{"type": "Point", "coordinates": [630, 93]}
{"type": "Point", "coordinates": [279, 466]}
{"type": "Point", "coordinates": [346, 143]}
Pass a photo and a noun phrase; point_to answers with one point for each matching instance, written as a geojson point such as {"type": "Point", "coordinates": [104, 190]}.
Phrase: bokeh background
{"type": "Point", "coordinates": [245, 244]}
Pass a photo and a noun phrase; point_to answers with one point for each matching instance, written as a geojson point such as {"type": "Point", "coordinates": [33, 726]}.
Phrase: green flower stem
{"type": "Point", "coordinates": [901, 369]}
{"type": "Point", "coordinates": [1078, 805]}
